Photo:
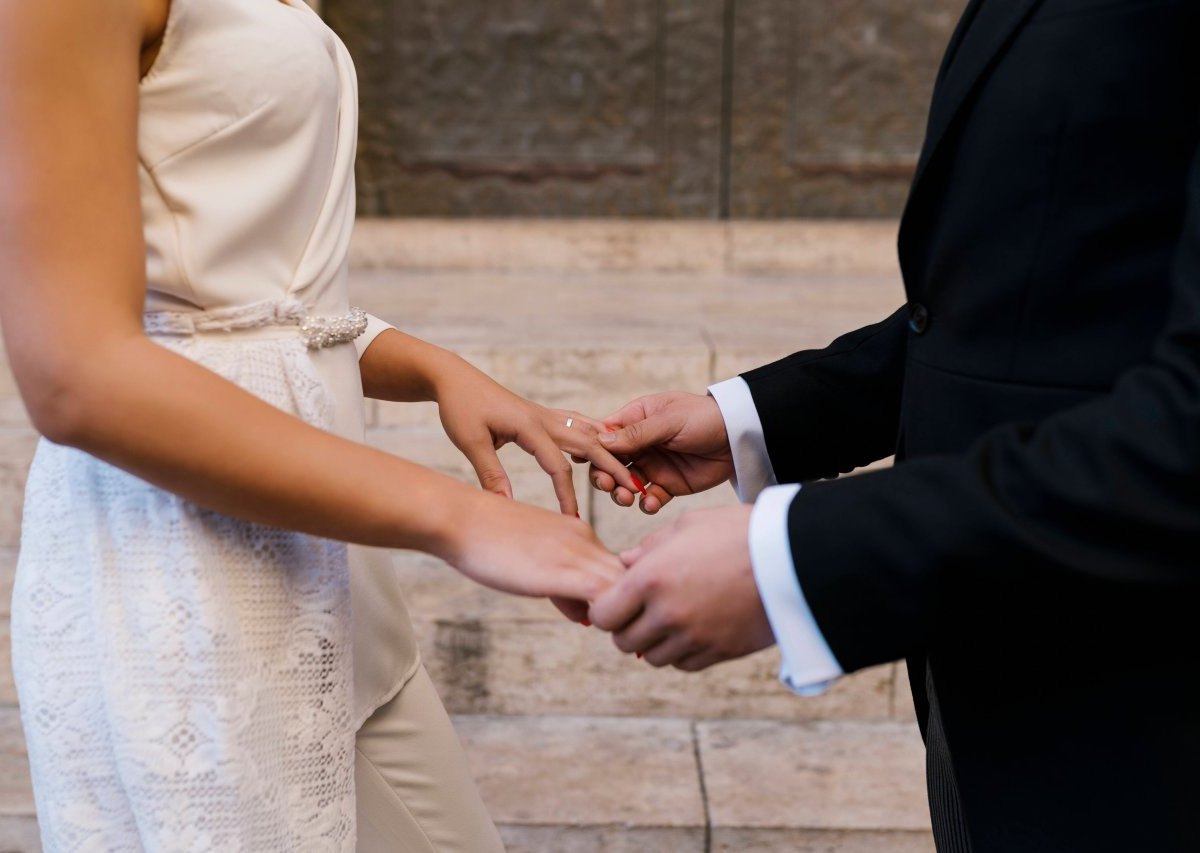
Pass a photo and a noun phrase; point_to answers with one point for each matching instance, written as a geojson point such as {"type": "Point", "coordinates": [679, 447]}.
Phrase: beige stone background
{"type": "Point", "coordinates": [578, 748]}
{"type": "Point", "coordinates": [593, 200]}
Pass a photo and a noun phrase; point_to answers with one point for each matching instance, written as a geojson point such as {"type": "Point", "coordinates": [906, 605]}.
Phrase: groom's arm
{"type": "Point", "coordinates": [817, 413]}
{"type": "Point", "coordinates": [842, 401]}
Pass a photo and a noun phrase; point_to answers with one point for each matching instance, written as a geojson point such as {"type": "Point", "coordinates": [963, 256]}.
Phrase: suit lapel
{"type": "Point", "coordinates": [984, 32]}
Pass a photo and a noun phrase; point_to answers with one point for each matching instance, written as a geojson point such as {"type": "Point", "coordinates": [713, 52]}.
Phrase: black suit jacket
{"type": "Point", "coordinates": [1038, 543]}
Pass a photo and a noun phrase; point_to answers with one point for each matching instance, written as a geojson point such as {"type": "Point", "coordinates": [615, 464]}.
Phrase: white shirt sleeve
{"type": "Point", "coordinates": [374, 327]}
{"type": "Point", "coordinates": [808, 667]}
{"type": "Point", "coordinates": [751, 464]}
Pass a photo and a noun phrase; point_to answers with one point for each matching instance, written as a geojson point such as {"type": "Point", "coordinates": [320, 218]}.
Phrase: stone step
{"type": "Point", "coordinates": [626, 245]}
{"type": "Point", "coordinates": [588, 784]}
{"type": "Point", "coordinates": [491, 653]}
{"type": "Point", "coordinates": [574, 784]}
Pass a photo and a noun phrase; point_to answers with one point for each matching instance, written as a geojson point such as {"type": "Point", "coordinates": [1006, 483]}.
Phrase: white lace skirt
{"type": "Point", "coordinates": [185, 678]}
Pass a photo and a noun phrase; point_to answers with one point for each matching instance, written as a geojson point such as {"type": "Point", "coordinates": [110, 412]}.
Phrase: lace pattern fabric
{"type": "Point", "coordinates": [186, 675]}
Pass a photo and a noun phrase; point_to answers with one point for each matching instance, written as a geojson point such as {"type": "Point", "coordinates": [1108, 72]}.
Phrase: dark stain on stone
{"type": "Point", "coordinates": [460, 665]}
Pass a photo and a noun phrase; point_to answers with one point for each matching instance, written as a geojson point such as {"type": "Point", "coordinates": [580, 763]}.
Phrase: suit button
{"type": "Point", "coordinates": [918, 319]}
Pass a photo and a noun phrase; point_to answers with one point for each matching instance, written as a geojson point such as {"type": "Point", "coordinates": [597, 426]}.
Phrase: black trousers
{"type": "Point", "coordinates": [945, 806]}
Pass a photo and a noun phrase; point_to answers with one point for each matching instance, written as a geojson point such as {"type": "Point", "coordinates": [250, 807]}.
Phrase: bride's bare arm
{"type": "Point", "coordinates": [72, 286]}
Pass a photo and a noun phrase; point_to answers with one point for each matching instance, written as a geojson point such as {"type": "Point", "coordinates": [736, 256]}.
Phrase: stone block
{"type": "Point", "coordinates": [727, 840]}
{"type": "Point", "coordinates": [583, 246]}
{"type": "Point", "coordinates": [829, 104]}
{"type": "Point", "coordinates": [842, 775]}
{"type": "Point", "coordinates": [610, 775]}
{"type": "Point", "coordinates": [8, 691]}
{"type": "Point", "coordinates": [499, 666]}
{"type": "Point", "coordinates": [542, 245]}
{"type": "Point", "coordinates": [16, 791]}
{"type": "Point", "coordinates": [500, 654]}
{"type": "Point", "coordinates": [813, 246]}
{"type": "Point", "coordinates": [902, 698]}
{"type": "Point", "coordinates": [16, 452]}
{"type": "Point", "coordinates": [475, 108]}
{"type": "Point", "coordinates": [19, 834]}
{"type": "Point", "coordinates": [602, 839]}
{"type": "Point", "coordinates": [8, 571]}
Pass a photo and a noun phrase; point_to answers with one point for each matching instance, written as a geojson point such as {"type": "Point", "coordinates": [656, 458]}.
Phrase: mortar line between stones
{"type": "Point", "coordinates": [708, 828]}
{"type": "Point", "coordinates": [726, 151]}
{"type": "Point", "coordinates": [712, 355]}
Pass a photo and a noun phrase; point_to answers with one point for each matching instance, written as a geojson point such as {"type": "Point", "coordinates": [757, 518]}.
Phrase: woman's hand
{"type": "Point", "coordinates": [480, 416]}
{"type": "Point", "coordinates": [523, 550]}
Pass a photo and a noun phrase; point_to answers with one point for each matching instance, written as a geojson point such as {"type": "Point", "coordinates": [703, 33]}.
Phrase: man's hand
{"type": "Point", "coordinates": [678, 445]}
{"type": "Point", "coordinates": [689, 599]}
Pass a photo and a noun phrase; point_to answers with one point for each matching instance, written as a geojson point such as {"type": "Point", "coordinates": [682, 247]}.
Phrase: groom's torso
{"type": "Point", "coordinates": [1037, 249]}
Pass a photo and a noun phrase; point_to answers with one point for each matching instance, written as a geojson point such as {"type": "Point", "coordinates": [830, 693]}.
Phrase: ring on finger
{"type": "Point", "coordinates": [570, 422]}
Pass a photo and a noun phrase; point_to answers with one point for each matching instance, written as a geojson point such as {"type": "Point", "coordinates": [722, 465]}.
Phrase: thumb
{"type": "Point", "coordinates": [486, 463]}
{"type": "Point", "coordinates": [640, 435]}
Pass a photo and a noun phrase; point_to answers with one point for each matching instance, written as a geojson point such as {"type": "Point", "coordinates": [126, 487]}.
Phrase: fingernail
{"type": "Point", "coordinates": [607, 437]}
{"type": "Point", "coordinates": [577, 515]}
{"type": "Point", "coordinates": [639, 654]}
{"type": "Point", "coordinates": [585, 623]}
{"type": "Point", "coordinates": [638, 483]}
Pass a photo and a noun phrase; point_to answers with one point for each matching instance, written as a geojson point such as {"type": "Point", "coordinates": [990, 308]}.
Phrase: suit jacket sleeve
{"type": "Point", "coordinates": [1107, 491]}
{"type": "Point", "coordinates": [829, 411]}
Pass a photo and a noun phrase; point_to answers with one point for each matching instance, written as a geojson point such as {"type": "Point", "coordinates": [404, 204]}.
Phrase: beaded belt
{"type": "Point", "coordinates": [318, 332]}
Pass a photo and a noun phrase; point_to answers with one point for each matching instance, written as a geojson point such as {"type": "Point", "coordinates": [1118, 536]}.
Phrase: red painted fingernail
{"type": "Point", "coordinates": [577, 515]}
{"type": "Point", "coordinates": [639, 654]}
{"type": "Point", "coordinates": [585, 623]}
{"type": "Point", "coordinates": [638, 483]}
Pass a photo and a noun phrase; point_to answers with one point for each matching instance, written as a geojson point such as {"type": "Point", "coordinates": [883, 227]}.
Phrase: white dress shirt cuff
{"type": "Point", "coordinates": [374, 327]}
{"type": "Point", "coordinates": [751, 463]}
{"type": "Point", "coordinates": [808, 667]}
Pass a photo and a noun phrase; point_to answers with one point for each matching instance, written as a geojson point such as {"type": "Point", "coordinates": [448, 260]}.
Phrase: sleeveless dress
{"type": "Point", "coordinates": [187, 680]}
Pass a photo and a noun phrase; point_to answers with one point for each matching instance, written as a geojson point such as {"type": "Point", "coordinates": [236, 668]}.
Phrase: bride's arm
{"type": "Point", "coordinates": [481, 415]}
{"type": "Point", "coordinates": [72, 285]}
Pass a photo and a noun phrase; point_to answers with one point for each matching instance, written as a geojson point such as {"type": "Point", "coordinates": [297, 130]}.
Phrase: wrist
{"type": "Point", "coordinates": [437, 369]}
{"type": "Point", "coordinates": [448, 520]}
{"type": "Point", "coordinates": [715, 419]}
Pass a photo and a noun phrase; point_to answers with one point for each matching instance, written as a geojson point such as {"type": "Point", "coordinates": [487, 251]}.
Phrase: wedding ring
{"type": "Point", "coordinates": [570, 422]}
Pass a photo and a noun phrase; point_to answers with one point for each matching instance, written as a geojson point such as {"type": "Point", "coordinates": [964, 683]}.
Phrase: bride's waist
{"type": "Point", "coordinates": [279, 319]}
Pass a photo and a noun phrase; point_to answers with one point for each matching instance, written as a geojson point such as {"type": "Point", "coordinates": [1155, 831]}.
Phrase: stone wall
{"type": "Point", "coordinates": [641, 108]}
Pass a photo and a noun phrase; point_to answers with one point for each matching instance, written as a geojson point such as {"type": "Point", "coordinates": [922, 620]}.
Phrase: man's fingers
{"type": "Point", "coordinates": [697, 661]}
{"type": "Point", "coordinates": [602, 481]}
{"type": "Point", "coordinates": [640, 435]}
{"type": "Point", "coordinates": [651, 542]}
{"type": "Point", "coordinates": [632, 411]}
{"type": "Point", "coordinates": [656, 498]}
{"type": "Point", "coordinates": [623, 497]}
{"type": "Point", "coordinates": [673, 649]}
{"type": "Point", "coordinates": [576, 611]}
{"type": "Point", "coordinates": [616, 608]}
{"type": "Point", "coordinates": [486, 463]}
{"type": "Point", "coordinates": [642, 633]}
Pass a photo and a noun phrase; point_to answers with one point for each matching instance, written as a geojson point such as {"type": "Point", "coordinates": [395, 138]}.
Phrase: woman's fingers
{"type": "Point", "coordinates": [551, 460]}
{"type": "Point", "coordinates": [578, 435]}
{"type": "Point", "coordinates": [492, 476]}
